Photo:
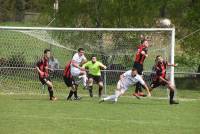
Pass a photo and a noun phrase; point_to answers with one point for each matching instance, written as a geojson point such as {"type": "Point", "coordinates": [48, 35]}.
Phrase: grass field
{"type": "Point", "coordinates": [34, 114]}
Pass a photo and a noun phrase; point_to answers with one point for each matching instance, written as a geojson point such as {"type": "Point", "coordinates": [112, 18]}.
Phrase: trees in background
{"type": "Point", "coordinates": [185, 15]}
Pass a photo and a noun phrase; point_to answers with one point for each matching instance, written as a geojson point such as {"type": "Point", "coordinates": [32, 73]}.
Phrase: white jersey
{"type": "Point", "coordinates": [78, 59]}
{"type": "Point", "coordinates": [129, 80]}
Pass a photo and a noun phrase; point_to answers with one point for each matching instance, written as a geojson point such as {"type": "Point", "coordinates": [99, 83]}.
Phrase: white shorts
{"type": "Point", "coordinates": [121, 86]}
{"type": "Point", "coordinates": [75, 71]}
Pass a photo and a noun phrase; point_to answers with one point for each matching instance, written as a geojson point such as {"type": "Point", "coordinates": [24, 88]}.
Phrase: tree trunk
{"type": "Point", "coordinates": [163, 10]}
{"type": "Point", "coordinates": [198, 71]}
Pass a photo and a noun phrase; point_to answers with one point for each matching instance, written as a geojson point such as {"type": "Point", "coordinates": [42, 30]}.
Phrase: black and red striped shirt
{"type": "Point", "coordinates": [67, 72]}
{"type": "Point", "coordinates": [43, 66]}
{"type": "Point", "coordinates": [161, 69]}
{"type": "Point", "coordinates": [139, 58]}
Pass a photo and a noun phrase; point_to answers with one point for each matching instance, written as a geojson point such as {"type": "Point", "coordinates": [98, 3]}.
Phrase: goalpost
{"type": "Point", "coordinates": [21, 47]}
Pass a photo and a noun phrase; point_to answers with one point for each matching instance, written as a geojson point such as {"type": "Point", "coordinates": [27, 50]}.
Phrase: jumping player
{"type": "Point", "coordinates": [77, 61]}
{"type": "Point", "coordinates": [138, 63]}
{"type": "Point", "coordinates": [42, 69]}
{"type": "Point", "coordinates": [126, 79]}
{"type": "Point", "coordinates": [160, 78]}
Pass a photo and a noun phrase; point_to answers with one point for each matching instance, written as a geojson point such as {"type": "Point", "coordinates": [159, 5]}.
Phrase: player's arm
{"type": "Point", "coordinates": [50, 69]}
{"type": "Point", "coordinates": [168, 64]}
{"type": "Point", "coordinates": [83, 62]}
{"type": "Point", "coordinates": [144, 52]}
{"type": "Point", "coordinates": [77, 66]}
{"type": "Point", "coordinates": [102, 66]}
{"type": "Point", "coordinates": [147, 89]}
{"type": "Point", "coordinates": [38, 69]}
{"type": "Point", "coordinates": [173, 65]}
{"type": "Point", "coordinates": [145, 86]}
{"type": "Point", "coordinates": [86, 65]}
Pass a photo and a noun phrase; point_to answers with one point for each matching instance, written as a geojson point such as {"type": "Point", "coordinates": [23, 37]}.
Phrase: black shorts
{"type": "Point", "coordinates": [157, 83]}
{"type": "Point", "coordinates": [139, 67]}
{"type": "Point", "coordinates": [97, 79]}
{"type": "Point", "coordinates": [69, 81]}
{"type": "Point", "coordinates": [44, 80]}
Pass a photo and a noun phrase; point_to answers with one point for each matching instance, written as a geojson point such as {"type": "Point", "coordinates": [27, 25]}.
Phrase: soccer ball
{"type": "Point", "coordinates": [165, 22]}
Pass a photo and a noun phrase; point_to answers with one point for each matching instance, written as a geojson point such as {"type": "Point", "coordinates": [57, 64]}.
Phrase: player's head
{"type": "Point", "coordinates": [145, 43]}
{"type": "Point", "coordinates": [159, 59]}
{"type": "Point", "coordinates": [134, 72]}
{"type": "Point", "coordinates": [81, 51]}
{"type": "Point", "coordinates": [47, 53]}
{"type": "Point", "coordinates": [94, 58]}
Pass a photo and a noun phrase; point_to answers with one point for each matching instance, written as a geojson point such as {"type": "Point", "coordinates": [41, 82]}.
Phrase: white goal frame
{"type": "Point", "coordinates": [171, 30]}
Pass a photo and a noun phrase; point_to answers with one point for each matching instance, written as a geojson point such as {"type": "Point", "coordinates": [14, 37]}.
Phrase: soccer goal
{"type": "Point", "coordinates": [22, 47]}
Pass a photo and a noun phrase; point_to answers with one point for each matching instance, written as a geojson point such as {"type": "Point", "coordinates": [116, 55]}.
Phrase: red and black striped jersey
{"type": "Point", "coordinates": [161, 69]}
{"type": "Point", "coordinates": [67, 72]}
{"type": "Point", "coordinates": [43, 66]}
{"type": "Point", "coordinates": [139, 58]}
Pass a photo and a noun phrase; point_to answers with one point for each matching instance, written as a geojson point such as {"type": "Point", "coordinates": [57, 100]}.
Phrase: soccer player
{"type": "Point", "coordinates": [77, 61]}
{"type": "Point", "coordinates": [42, 69]}
{"type": "Point", "coordinates": [138, 63]}
{"type": "Point", "coordinates": [94, 67]}
{"type": "Point", "coordinates": [70, 82]}
{"type": "Point", "coordinates": [126, 79]}
{"type": "Point", "coordinates": [160, 78]}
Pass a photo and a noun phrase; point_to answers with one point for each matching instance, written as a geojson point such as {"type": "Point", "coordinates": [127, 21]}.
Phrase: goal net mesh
{"type": "Point", "coordinates": [21, 49]}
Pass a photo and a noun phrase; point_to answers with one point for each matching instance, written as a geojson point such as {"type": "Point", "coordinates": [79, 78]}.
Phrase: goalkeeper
{"type": "Point", "coordinates": [94, 67]}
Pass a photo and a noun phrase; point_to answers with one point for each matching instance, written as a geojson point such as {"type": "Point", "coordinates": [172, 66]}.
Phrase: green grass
{"type": "Point", "coordinates": [34, 114]}
{"type": "Point", "coordinates": [14, 43]}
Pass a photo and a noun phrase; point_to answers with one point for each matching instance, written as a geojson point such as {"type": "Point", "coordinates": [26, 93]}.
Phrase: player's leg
{"type": "Point", "coordinates": [113, 97]}
{"type": "Point", "coordinates": [90, 86]}
{"type": "Point", "coordinates": [68, 82]}
{"type": "Point", "coordinates": [99, 81]}
{"type": "Point", "coordinates": [138, 90]}
{"type": "Point", "coordinates": [154, 84]}
{"type": "Point", "coordinates": [84, 77]}
{"type": "Point", "coordinates": [171, 93]}
{"type": "Point", "coordinates": [76, 97]}
{"type": "Point", "coordinates": [118, 92]}
{"type": "Point", "coordinates": [82, 74]}
{"type": "Point", "coordinates": [100, 88]}
{"type": "Point", "coordinates": [71, 92]}
{"type": "Point", "coordinates": [50, 89]}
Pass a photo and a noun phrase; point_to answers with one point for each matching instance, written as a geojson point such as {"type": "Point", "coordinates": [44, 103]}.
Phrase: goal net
{"type": "Point", "coordinates": [22, 47]}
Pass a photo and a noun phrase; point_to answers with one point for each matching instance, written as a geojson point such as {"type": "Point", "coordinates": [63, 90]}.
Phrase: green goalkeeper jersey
{"type": "Point", "coordinates": [94, 68]}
